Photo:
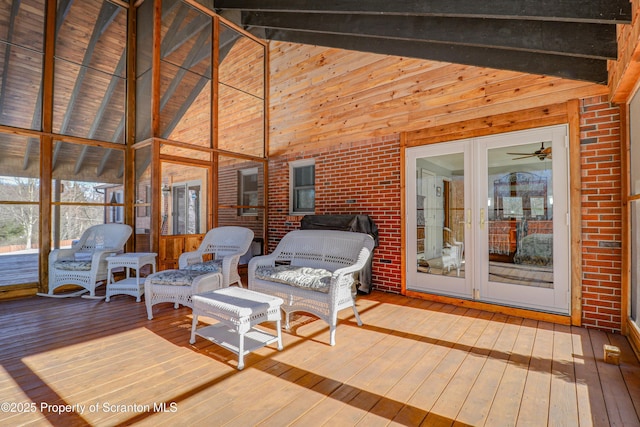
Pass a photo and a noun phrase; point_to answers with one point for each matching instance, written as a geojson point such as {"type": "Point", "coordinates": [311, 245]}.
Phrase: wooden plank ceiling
{"type": "Point", "coordinates": [564, 38]}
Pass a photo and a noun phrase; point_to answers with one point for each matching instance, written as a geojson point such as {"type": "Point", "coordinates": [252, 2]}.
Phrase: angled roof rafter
{"type": "Point", "coordinates": [80, 159]}
{"type": "Point", "coordinates": [526, 62]}
{"type": "Point", "coordinates": [15, 7]}
{"type": "Point", "coordinates": [104, 162]}
{"type": "Point", "coordinates": [570, 39]}
{"type": "Point", "coordinates": [108, 13]}
{"type": "Point", "coordinates": [597, 11]}
{"type": "Point", "coordinates": [113, 84]}
{"type": "Point", "coordinates": [573, 39]}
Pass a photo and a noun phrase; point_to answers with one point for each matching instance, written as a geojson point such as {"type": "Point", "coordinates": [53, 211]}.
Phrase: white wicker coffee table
{"type": "Point", "coordinates": [238, 310]}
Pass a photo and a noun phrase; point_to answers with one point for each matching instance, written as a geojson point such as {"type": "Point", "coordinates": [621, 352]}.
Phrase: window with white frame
{"type": "Point", "coordinates": [117, 212]}
{"type": "Point", "coordinates": [248, 191]}
{"type": "Point", "coordinates": [302, 180]}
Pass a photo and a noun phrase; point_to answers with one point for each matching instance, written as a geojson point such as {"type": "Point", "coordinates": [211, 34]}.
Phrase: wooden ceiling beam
{"type": "Point", "coordinates": [117, 134]}
{"type": "Point", "coordinates": [175, 84]}
{"type": "Point", "coordinates": [80, 160]}
{"type": "Point", "coordinates": [108, 13]}
{"type": "Point", "coordinates": [103, 162]}
{"type": "Point", "coordinates": [178, 33]}
{"type": "Point", "coordinates": [596, 11]}
{"type": "Point", "coordinates": [35, 120]}
{"type": "Point", "coordinates": [577, 68]}
{"type": "Point", "coordinates": [193, 94]}
{"type": "Point", "coordinates": [574, 38]}
{"type": "Point", "coordinates": [199, 51]}
{"type": "Point", "coordinates": [226, 42]}
{"type": "Point", "coordinates": [15, 8]}
{"type": "Point", "coordinates": [201, 44]}
{"type": "Point", "coordinates": [106, 99]}
{"type": "Point", "coordinates": [56, 153]}
{"type": "Point", "coordinates": [31, 142]}
{"type": "Point", "coordinates": [570, 39]}
{"type": "Point", "coordinates": [171, 40]}
{"type": "Point", "coordinates": [64, 6]}
{"type": "Point", "coordinates": [120, 172]}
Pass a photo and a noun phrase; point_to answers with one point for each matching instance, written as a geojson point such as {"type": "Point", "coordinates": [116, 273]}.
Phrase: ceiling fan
{"type": "Point", "coordinates": [542, 154]}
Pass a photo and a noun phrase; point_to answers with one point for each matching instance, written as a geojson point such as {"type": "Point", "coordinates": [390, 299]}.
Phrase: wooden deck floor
{"type": "Point", "coordinates": [18, 268]}
{"type": "Point", "coordinates": [412, 363]}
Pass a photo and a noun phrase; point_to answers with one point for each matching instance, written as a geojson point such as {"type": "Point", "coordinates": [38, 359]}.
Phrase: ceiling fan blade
{"type": "Point", "coordinates": [542, 153]}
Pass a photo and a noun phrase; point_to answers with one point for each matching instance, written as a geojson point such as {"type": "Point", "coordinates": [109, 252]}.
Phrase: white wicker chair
{"type": "Point", "coordinates": [341, 253]}
{"type": "Point", "coordinates": [84, 264]}
{"type": "Point", "coordinates": [452, 253]}
{"type": "Point", "coordinates": [178, 286]}
{"type": "Point", "coordinates": [227, 245]}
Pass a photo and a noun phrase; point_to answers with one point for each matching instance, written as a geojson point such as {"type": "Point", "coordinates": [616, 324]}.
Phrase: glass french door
{"type": "Point", "coordinates": [488, 219]}
{"type": "Point", "coordinates": [186, 208]}
{"type": "Point", "coordinates": [438, 235]}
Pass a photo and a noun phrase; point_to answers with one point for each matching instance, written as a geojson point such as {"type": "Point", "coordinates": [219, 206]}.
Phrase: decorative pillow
{"type": "Point", "coordinates": [175, 277]}
{"type": "Point", "coordinates": [70, 265]}
{"type": "Point", "coordinates": [316, 279]}
{"type": "Point", "coordinates": [213, 266]}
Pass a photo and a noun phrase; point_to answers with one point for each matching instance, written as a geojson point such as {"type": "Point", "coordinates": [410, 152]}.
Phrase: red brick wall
{"type": "Point", "coordinates": [364, 177]}
{"type": "Point", "coordinates": [357, 178]}
{"type": "Point", "coordinates": [601, 214]}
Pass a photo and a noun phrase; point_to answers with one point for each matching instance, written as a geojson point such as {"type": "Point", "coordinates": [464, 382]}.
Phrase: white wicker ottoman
{"type": "Point", "coordinates": [238, 310]}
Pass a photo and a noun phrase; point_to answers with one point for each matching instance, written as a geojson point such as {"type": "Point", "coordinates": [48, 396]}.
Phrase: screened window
{"type": "Point", "coordinates": [90, 71]}
{"type": "Point", "coordinates": [19, 212]}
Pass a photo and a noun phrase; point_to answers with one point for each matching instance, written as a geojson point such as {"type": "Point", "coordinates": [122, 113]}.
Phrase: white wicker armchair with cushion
{"type": "Point", "coordinates": [313, 272]}
{"type": "Point", "coordinates": [226, 244]}
{"type": "Point", "coordinates": [178, 286]}
{"type": "Point", "coordinates": [84, 264]}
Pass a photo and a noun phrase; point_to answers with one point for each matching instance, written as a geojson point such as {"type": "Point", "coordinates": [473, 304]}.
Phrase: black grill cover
{"type": "Point", "coordinates": [356, 223]}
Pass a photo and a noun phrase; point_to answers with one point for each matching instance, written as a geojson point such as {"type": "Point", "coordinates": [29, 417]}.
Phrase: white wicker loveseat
{"type": "Point", "coordinates": [313, 272]}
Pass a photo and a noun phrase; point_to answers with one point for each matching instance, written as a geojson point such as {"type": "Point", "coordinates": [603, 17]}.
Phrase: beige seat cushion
{"type": "Point", "coordinates": [71, 265]}
{"type": "Point", "coordinates": [174, 277]}
{"type": "Point", "coordinates": [213, 266]}
{"type": "Point", "coordinates": [317, 279]}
